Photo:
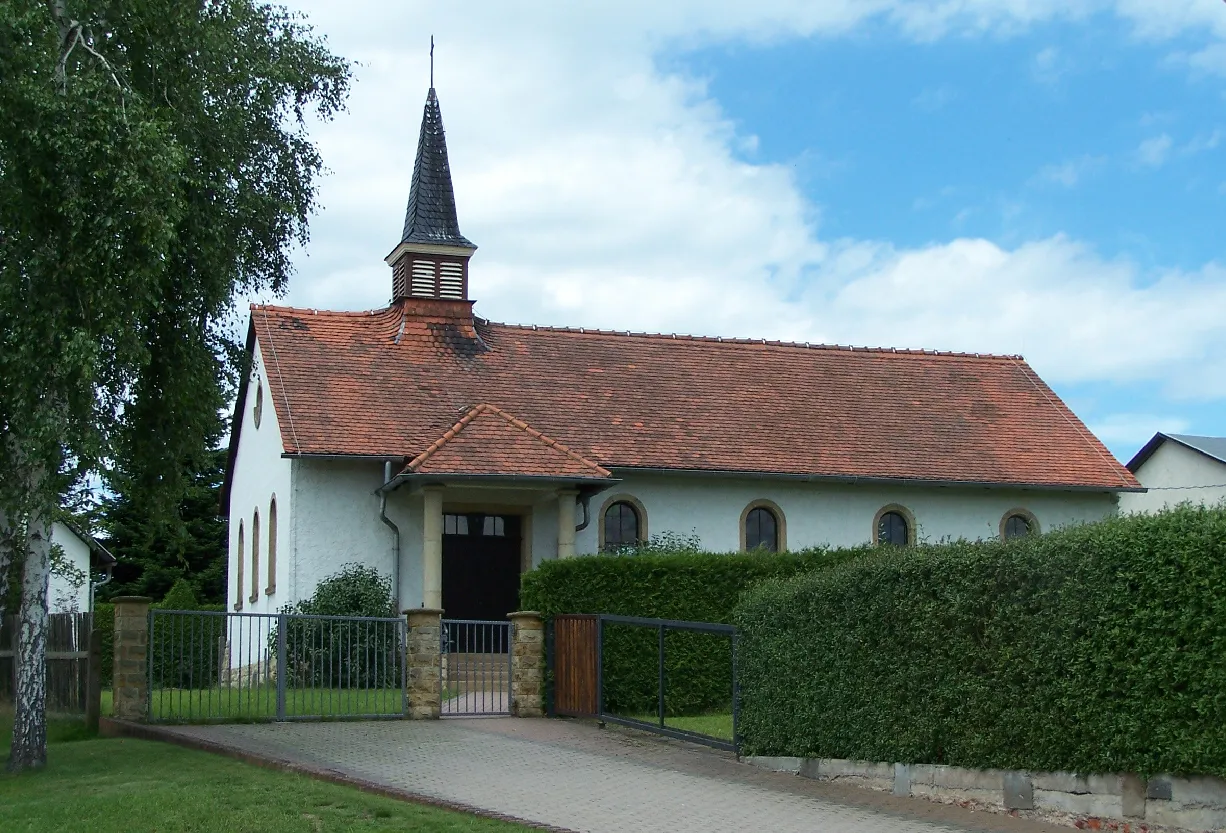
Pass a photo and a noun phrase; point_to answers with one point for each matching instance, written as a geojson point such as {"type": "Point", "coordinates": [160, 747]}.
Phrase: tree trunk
{"type": "Point", "coordinates": [29, 750]}
{"type": "Point", "coordinates": [7, 546]}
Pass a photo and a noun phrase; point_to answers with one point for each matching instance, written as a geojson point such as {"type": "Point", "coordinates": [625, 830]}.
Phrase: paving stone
{"type": "Point", "coordinates": [575, 776]}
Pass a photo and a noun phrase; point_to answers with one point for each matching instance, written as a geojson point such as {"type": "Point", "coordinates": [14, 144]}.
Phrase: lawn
{"type": "Point", "coordinates": [717, 725]}
{"type": "Point", "coordinates": [124, 786]}
{"type": "Point", "coordinates": [260, 703]}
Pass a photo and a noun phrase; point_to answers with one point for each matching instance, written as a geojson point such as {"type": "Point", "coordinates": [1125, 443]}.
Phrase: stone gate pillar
{"type": "Point", "coordinates": [424, 663]}
{"type": "Point", "coordinates": [131, 667]}
{"type": "Point", "coordinates": [527, 664]}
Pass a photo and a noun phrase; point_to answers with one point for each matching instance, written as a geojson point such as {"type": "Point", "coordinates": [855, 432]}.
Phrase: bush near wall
{"type": "Point", "coordinates": [688, 585]}
{"type": "Point", "coordinates": [1099, 648]}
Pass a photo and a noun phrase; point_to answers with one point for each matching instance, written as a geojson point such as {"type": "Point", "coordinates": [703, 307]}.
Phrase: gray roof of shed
{"type": "Point", "coordinates": [431, 214]}
{"type": "Point", "coordinates": [1214, 447]}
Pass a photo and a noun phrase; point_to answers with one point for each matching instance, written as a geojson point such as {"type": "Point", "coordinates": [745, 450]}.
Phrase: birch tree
{"type": "Point", "coordinates": [154, 165]}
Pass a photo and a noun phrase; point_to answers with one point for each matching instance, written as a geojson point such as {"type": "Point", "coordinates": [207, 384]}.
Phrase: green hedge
{"type": "Point", "coordinates": [179, 597]}
{"type": "Point", "coordinates": [1099, 648]}
{"type": "Point", "coordinates": [694, 586]}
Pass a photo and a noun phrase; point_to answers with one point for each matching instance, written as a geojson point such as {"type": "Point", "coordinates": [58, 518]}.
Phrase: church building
{"type": "Point", "coordinates": [453, 453]}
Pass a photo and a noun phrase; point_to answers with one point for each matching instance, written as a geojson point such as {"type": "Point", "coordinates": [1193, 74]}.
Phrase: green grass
{"type": "Point", "coordinates": [718, 725]}
{"type": "Point", "coordinates": [260, 703]}
{"type": "Point", "coordinates": [126, 786]}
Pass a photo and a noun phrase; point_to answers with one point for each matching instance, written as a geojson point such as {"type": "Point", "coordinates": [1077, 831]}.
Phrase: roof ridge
{"type": "Point", "coordinates": [803, 345]}
{"type": "Point", "coordinates": [486, 408]}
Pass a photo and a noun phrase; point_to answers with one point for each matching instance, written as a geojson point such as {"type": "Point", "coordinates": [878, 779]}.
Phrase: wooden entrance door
{"type": "Point", "coordinates": [480, 566]}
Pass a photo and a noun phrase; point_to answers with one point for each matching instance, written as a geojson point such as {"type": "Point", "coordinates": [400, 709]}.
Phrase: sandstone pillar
{"type": "Point", "coordinates": [424, 663]}
{"type": "Point", "coordinates": [432, 548]}
{"type": "Point", "coordinates": [131, 667]}
{"type": "Point", "coordinates": [566, 523]}
{"type": "Point", "coordinates": [527, 664]}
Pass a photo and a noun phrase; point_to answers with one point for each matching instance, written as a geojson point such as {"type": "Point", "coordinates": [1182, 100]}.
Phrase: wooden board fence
{"type": "Point", "coordinates": [67, 661]}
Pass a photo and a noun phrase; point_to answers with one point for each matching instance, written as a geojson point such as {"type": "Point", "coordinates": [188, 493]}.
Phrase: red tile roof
{"type": "Point", "coordinates": [488, 440]}
{"type": "Point", "coordinates": [390, 382]}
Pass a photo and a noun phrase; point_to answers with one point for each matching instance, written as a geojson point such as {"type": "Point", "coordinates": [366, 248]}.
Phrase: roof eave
{"type": "Point", "coordinates": [429, 479]}
{"type": "Point", "coordinates": [876, 481]}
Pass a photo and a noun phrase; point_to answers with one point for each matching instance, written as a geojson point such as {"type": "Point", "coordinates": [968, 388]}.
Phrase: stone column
{"type": "Point", "coordinates": [424, 665]}
{"type": "Point", "coordinates": [566, 523]}
{"type": "Point", "coordinates": [432, 548]}
{"type": "Point", "coordinates": [131, 666]}
{"type": "Point", "coordinates": [527, 664]}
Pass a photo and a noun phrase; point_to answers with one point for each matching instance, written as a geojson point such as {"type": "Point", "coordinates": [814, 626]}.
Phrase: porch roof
{"type": "Point", "coordinates": [488, 441]}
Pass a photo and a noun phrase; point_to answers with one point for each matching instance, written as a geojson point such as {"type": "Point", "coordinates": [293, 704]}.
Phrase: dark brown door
{"type": "Point", "coordinates": [480, 566]}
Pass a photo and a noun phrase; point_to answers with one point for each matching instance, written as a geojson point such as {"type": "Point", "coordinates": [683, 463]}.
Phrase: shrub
{"type": "Point", "coordinates": [687, 585]}
{"type": "Point", "coordinates": [187, 650]}
{"type": "Point", "coordinates": [1092, 649]}
{"type": "Point", "coordinates": [339, 653]}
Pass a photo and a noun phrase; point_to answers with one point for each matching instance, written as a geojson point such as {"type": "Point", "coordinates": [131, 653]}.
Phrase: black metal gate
{"type": "Point", "coordinates": [476, 673]}
{"type": "Point", "coordinates": [217, 666]}
{"type": "Point", "coordinates": [587, 647]}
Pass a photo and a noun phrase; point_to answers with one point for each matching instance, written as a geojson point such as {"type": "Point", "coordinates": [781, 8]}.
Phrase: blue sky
{"type": "Point", "coordinates": [1036, 177]}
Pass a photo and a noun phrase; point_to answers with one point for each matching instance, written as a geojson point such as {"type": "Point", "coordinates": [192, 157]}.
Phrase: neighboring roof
{"type": "Point", "coordinates": [1214, 447]}
{"type": "Point", "coordinates": [388, 383]}
{"type": "Point", "coordinates": [489, 441]}
{"type": "Point", "coordinates": [431, 214]}
{"type": "Point", "coordinates": [95, 548]}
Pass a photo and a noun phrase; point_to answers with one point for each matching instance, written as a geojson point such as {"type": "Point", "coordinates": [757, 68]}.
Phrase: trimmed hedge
{"type": "Point", "coordinates": [1100, 648]}
{"type": "Point", "coordinates": [688, 585]}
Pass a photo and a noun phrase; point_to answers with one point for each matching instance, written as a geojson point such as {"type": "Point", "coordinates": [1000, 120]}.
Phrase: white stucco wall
{"type": "Point", "coordinates": [68, 587]}
{"type": "Point", "coordinates": [337, 523]}
{"type": "Point", "coordinates": [260, 472]}
{"type": "Point", "coordinates": [1176, 465]}
{"type": "Point", "coordinates": [835, 514]}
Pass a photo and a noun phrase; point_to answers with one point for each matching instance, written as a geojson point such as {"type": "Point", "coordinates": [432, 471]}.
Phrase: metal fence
{"type": "Point", "coordinates": [577, 651]}
{"type": "Point", "coordinates": [476, 673]}
{"type": "Point", "coordinates": [218, 666]}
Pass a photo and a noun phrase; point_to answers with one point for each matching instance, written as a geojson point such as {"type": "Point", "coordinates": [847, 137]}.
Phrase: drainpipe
{"type": "Point", "coordinates": [94, 585]}
{"type": "Point", "coordinates": [584, 499]}
{"type": "Point", "coordinates": [387, 478]}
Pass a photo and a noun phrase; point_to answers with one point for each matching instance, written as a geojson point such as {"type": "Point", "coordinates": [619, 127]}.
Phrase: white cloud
{"type": "Point", "coordinates": [604, 192]}
{"type": "Point", "coordinates": [1153, 152]}
{"type": "Point", "coordinates": [1048, 65]}
{"type": "Point", "coordinates": [1204, 142]}
{"type": "Point", "coordinates": [1071, 172]}
{"type": "Point", "coordinates": [1134, 430]}
{"type": "Point", "coordinates": [931, 99]}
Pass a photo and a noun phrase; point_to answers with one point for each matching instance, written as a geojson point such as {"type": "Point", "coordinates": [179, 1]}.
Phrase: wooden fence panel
{"type": "Point", "coordinates": [575, 666]}
{"type": "Point", "coordinates": [67, 661]}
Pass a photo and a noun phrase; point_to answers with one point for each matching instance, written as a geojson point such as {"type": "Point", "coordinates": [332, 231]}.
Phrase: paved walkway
{"type": "Point", "coordinates": [574, 776]}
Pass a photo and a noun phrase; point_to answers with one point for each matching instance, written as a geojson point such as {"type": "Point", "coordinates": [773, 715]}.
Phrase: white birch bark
{"type": "Point", "coordinates": [29, 749]}
{"type": "Point", "coordinates": [7, 545]}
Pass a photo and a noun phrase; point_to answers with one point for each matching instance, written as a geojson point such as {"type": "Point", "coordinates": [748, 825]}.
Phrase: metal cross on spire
{"type": "Point", "coordinates": [432, 61]}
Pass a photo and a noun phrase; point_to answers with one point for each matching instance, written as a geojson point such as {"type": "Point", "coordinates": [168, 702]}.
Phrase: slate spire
{"type": "Point", "coordinates": [431, 214]}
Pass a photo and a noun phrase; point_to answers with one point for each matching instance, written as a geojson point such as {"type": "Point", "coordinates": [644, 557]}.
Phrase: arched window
{"type": "Point", "coordinates": [1018, 523]}
{"type": "Point", "coordinates": [242, 560]}
{"type": "Point", "coordinates": [762, 527]}
{"type": "Point", "coordinates": [272, 547]}
{"type": "Point", "coordinates": [255, 557]}
{"type": "Point", "coordinates": [894, 525]}
{"type": "Point", "coordinates": [623, 523]}
{"type": "Point", "coordinates": [257, 411]}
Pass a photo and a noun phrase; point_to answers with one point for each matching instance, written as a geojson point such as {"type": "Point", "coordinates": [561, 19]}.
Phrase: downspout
{"type": "Point", "coordinates": [94, 585]}
{"type": "Point", "coordinates": [387, 478]}
{"type": "Point", "coordinates": [584, 499]}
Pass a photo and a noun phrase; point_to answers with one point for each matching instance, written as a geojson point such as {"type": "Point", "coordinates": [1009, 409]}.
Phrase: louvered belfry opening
{"type": "Point", "coordinates": [430, 276]}
{"type": "Point", "coordinates": [431, 260]}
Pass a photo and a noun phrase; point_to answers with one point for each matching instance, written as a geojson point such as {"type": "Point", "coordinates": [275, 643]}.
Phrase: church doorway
{"type": "Point", "coordinates": [481, 555]}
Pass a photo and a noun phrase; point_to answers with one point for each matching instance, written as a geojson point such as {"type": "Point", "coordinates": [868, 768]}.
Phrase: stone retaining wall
{"type": "Point", "coordinates": [1108, 802]}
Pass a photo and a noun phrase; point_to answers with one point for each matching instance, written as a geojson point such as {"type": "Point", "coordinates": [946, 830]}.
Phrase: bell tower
{"type": "Point", "coordinates": [431, 260]}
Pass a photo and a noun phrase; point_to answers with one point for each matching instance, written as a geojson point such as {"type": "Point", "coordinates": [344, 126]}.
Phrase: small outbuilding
{"type": "Point", "coordinates": [1177, 468]}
